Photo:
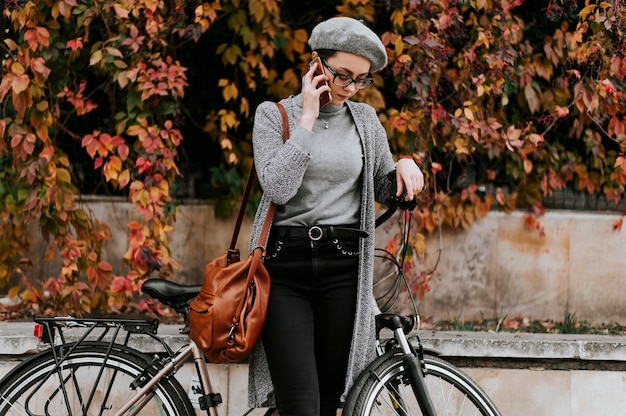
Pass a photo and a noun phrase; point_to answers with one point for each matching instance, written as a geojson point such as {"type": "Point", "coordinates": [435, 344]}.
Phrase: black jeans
{"type": "Point", "coordinates": [310, 319]}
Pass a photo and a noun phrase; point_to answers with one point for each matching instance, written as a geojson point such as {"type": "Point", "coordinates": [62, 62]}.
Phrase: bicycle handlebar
{"type": "Point", "coordinates": [394, 202]}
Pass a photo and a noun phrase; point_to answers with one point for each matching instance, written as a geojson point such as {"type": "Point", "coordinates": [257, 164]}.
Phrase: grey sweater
{"type": "Point", "coordinates": [330, 191]}
{"type": "Point", "coordinates": [281, 168]}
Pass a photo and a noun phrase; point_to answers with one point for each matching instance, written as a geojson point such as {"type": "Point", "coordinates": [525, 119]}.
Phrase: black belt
{"type": "Point", "coordinates": [318, 232]}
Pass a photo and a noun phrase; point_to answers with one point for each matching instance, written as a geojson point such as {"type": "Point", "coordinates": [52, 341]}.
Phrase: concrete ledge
{"type": "Point", "coordinates": [539, 374]}
{"type": "Point", "coordinates": [16, 339]}
{"type": "Point", "coordinates": [505, 345]}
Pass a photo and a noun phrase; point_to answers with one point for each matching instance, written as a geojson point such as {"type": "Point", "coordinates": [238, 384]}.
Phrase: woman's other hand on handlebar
{"type": "Point", "coordinates": [409, 178]}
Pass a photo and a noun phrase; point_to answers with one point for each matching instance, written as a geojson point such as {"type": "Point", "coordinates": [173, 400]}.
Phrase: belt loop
{"type": "Point", "coordinates": [315, 233]}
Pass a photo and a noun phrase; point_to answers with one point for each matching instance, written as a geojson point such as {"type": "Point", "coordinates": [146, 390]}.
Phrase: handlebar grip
{"type": "Point", "coordinates": [395, 321]}
{"type": "Point", "coordinates": [399, 201]}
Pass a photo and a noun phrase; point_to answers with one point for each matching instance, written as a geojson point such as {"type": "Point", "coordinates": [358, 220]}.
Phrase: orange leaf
{"type": "Point", "coordinates": [532, 98]}
{"type": "Point", "coordinates": [123, 151]}
{"type": "Point", "coordinates": [620, 162]}
{"type": "Point", "coordinates": [39, 36]}
{"type": "Point", "coordinates": [38, 65]}
{"type": "Point", "coordinates": [90, 143]}
{"type": "Point", "coordinates": [120, 285]}
{"type": "Point", "coordinates": [105, 266]}
{"type": "Point", "coordinates": [20, 83]}
{"type": "Point", "coordinates": [28, 144]}
{"type": "Point", "coordinates": [124, 178]}
{"type": "Point", "coordinates": [528, 166]}
{"type": "Point", "coordinates": [136, 130]}
{"type": "Point", "coordinates": [113, 168]}
{"type": "Point", "coordinates": [120, 10]}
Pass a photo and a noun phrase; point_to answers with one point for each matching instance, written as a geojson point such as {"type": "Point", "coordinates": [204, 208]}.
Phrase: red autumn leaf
{"type": "Point", "coordinates": [620, 162]}
{"type": "Point", "coordinates": [90, 143]}
{"type": "Point", "coordinates": [75, 44]}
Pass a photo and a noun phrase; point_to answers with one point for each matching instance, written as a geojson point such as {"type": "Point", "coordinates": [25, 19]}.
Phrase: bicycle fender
{"type": "Point", "coordinates": [348, 407]}
{"type": "Point", "coordinates": [428, 351]}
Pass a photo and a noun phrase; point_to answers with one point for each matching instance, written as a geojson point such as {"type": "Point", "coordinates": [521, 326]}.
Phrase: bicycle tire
{"type": "Point", "coordinates": [384, 389]}
{"type": "Point", "coordinates": [34, 387]}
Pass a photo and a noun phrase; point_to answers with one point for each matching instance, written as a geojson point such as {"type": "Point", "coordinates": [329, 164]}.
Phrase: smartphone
{"type": "Point", "coordinates": [325, 97]}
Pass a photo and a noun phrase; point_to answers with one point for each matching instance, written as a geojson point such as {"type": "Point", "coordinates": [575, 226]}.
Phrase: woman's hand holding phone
{"type": "Point", "coordinates": [315, 93]}
{"type": "Point", "coordinates": [325, 97]}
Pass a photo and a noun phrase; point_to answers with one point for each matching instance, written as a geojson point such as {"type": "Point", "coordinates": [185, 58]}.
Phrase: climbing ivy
{"type": "Point", "coordinates": [499, 103]}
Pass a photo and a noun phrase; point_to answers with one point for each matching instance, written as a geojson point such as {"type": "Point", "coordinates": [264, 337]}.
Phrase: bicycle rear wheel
{"type": "Point", "coordinates": [384, 389]}
{"type": "Point", "coordinates": [90, 381]}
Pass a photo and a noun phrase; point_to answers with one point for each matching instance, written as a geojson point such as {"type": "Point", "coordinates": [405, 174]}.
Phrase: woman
{"type": "Point", "coordinates": [319, 332]}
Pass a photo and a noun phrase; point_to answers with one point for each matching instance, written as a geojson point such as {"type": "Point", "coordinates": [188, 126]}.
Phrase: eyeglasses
{"type": "Point", "coordinates": [342, 80]}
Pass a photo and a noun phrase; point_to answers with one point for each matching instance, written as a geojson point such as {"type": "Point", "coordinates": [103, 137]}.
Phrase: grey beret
{"type": "Point", "coordinates": [349, 35]}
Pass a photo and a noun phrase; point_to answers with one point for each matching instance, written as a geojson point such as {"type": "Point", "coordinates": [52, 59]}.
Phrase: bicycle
{"type": "Point", "coordinates": [100, 374]}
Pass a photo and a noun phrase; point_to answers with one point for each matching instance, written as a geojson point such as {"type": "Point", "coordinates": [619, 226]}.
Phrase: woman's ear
{"type": "Point", "coordinates": [314, 55]}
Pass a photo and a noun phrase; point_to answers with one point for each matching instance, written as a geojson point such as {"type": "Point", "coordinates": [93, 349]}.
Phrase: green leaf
{"type": "Point", "coordinates": [237, 20]}
{"type": "Point", "coordinates": [95, 58]}
{"type": "Point", "coordinates": [231, 54]}
{"type": "Point", "coordinates": [21, 194]}
{"type": "Point", "coordinates": [133, 101]}
{"type": "Point", "coordinates": [63, 175]}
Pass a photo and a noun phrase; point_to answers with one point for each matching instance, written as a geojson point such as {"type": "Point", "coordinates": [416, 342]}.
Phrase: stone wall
{"type": "Point", "coordinates": [197, 237]}
{"type": "Point", "coordinates": [497, 268]}
{"type": "Point", "coordinates": [501, 268]}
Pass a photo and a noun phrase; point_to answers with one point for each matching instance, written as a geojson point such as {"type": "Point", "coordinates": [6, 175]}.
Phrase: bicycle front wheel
{"type": "Point", "coordinates": [385, 389]}
{"type": "Point", "coordinates": [91, 380]}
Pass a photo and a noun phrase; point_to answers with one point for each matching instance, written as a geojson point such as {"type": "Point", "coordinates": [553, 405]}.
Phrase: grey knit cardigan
{"type": "Point", "coordinates": [281, 182]}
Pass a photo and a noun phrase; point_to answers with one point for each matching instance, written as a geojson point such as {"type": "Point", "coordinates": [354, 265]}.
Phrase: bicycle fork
{"type": "Point", "coordinates": [414, 370]}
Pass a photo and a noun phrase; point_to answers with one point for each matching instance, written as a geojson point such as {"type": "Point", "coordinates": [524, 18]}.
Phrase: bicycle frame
{"type": "Point", "coordinates": [183, 355]}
